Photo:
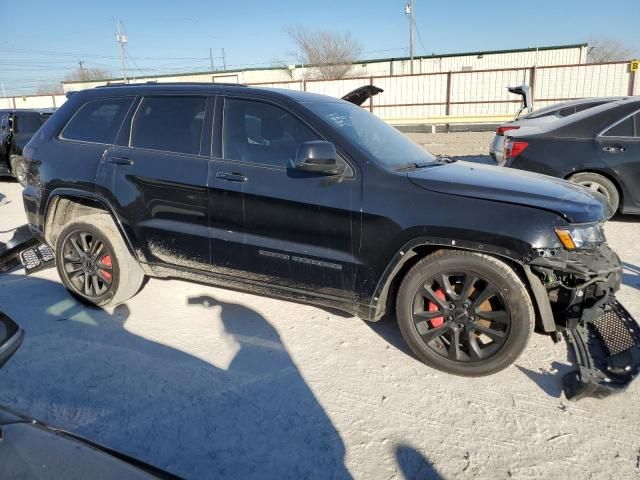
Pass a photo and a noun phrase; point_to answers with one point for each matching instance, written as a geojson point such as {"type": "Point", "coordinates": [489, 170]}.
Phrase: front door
{"type": "Point", "coordinates": [271, 223]}
{"type": "Point", "coordinates": [619, 149]}
{"type": "Point", "coordinates": [156, 176]}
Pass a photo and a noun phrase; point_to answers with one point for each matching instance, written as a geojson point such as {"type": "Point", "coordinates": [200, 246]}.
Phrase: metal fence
{"type": "Point", "coordinates": [479, 95]}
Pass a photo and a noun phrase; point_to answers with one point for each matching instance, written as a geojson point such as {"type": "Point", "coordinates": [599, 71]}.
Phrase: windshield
{"type": "Point", "coordinates": [380, 141]}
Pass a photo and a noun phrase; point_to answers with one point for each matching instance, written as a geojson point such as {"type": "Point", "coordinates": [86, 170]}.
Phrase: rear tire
{"type": "Point", "coordinates": [19, 169]}
{"type": "Point", "coordinates": [94, 263]}
{"type": "Point", "coordinates": [600, 184]}
{"type": "Point", "coordinates": [464, 313]}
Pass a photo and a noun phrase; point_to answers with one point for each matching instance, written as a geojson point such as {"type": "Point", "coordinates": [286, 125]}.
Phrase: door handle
{"type": "Point", "coordinates": [610, 149]}
{"type": "Point", "coordinates": [231, 177]}
{"type": "Point", "coordinates": [120, 161]}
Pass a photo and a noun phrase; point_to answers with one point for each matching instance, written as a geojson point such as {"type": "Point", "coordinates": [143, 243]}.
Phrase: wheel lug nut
{"type": "Point", "coordinates": [452, 306]}
{"type": "Point", "coordinates": [461, 325]}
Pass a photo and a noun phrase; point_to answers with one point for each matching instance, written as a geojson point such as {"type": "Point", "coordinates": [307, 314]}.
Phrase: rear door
{"type": "Point", "coordinates": [156, 177]}
{"type": "Point", "coordinates": [291, 228]}
{"type": "Point", "coordinates": [619, 148]}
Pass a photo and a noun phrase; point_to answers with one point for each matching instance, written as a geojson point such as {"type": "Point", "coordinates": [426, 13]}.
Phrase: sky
{"type": "Point", "coordinates": [41, 41]}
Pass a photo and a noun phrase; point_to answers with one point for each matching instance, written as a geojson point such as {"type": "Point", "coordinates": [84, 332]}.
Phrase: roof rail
{"type": "Point", "coordinates": [164, 84]}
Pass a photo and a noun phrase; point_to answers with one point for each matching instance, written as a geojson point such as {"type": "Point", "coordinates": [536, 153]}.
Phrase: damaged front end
{"type": "Point", "coordinates": [581, 287]}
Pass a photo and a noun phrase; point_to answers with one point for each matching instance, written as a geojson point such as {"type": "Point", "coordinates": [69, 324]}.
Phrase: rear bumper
{"type": "Point", "coordinates": [33, 199]}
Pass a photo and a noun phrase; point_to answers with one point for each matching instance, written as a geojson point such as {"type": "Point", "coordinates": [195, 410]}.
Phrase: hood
{"type": "Point", "coordinates": [574, 203]}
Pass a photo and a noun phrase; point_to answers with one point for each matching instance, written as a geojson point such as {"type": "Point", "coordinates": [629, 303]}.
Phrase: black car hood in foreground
{"type": "Point", "coordinates": [573, 202]}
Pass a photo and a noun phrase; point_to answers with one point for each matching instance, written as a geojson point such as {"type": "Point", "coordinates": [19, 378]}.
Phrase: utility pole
{"type": "Point", "coordinates": [224, 60]}
{"type": "Point", "coordinates": [211, 58]}
{"type": "Point", "coordinates": [408, 10]}
{"type": "Point", "coordinates": [81, 70]}
{"type": "Point", "coordinates": [122, 39]}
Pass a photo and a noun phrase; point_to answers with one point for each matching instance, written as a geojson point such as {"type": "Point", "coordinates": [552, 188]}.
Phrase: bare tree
{"type": "Point", "coordinates": [327, 54]}
{"type": "Point", "coordinates": [51, 88]}
{"type": "Point", "coordinates": [88, 75]}
{"type": "Point", "coordinates": [603, 49]}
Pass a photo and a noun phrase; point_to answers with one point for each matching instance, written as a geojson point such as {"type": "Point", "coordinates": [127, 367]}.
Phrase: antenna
{"type": "Point", "coordinates": [122, 39]}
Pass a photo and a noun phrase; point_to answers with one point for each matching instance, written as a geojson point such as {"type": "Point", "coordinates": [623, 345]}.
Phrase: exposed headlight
{"type": "Point", "coordinates": [581, 236]}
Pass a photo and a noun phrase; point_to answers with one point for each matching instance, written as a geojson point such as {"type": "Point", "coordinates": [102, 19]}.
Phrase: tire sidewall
{"type": "Point", "coordinates": [515, 295]}
{"type": "Point", "coordinates": [16, 164]}
{"type": "Point", "coordinates": [80, 226]}
{"type": "Point", "coordinates": [614, 195]}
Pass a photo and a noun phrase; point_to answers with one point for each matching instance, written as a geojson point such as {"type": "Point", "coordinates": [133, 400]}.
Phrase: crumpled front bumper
{"type": "Point", "coordinates": [581, 286]}
{"type": "Point", "coordinates": [607, 351]}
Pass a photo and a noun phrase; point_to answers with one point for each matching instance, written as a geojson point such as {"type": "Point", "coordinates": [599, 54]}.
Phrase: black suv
{"type": "Point", "coordinates": [313, 198]}
{"type": "Point", "coordinates": [16, 129]}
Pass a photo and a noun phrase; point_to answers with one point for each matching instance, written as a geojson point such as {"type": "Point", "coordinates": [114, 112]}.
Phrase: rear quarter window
{"type": "Point", "coordinates": [629, 127]}
{"type": "Point", "coordinates": [97, 121]}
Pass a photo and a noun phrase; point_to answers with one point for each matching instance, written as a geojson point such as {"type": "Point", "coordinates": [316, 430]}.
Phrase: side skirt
{"type": "Point", "coordinates": [261, 288]}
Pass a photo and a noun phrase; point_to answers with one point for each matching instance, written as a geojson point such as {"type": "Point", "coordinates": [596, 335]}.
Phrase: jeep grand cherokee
{"type": "Point", "coordinates": [313, 198]}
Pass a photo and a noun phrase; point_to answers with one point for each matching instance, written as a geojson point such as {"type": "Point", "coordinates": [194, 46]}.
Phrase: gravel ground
{"type": "Point", "coordinates": [454, 144]}
{"type": "Point", "coordinates": [212, 383]}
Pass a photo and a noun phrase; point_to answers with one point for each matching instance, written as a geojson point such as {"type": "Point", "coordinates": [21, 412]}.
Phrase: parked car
{"type": "Point", "coordinates": [598, 148]}
{"type": "Point", "coordinates": [313, 198]}
{"type": "Point", "coordinates": [16, 129]}
{"type": "Point", "coordinates": [30, 449]}
{"type": "Point", "coordinates": [532, 122]}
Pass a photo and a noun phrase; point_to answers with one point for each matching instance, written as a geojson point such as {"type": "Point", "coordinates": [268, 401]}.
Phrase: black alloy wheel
{"type": "Point", "coordinates": [461, 316]}
{"type": "Point", "coordinates": [88, 264]}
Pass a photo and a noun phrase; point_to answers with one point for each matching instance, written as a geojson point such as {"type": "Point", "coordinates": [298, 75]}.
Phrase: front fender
{"type": "Point", "coordinates": [378, 302]}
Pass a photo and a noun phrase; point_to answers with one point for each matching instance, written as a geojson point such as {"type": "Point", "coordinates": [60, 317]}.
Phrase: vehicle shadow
{"type": "Point", "coordinates": [414, 466]}
{"type": "Point", "coordinates": [550, 381]}
{"type": "Point", "coordinates": [631, 279]}
{"type": "Point", "coordinates": [84, 370]}
{"type": "Point", "coordinates": [618, 217]}
{"type": "Point", "coordinates": [387, 327]}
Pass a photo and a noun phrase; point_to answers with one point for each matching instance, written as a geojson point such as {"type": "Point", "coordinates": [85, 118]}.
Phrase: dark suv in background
{"type": "Point", "coordinates": [313, 198]}
{"type": "Point", "coordinates": [16, 129]}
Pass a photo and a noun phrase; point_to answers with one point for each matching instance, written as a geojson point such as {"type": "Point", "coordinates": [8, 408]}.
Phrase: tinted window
{"type": "Point", "coordinates": [172, 124]}
{"type": "Point", "coordinates": [4, 121]}
{"type": "Point", "coordinates": [565, 112]}
{"type": "Point", "coordinates": [629, 127]}
{"type": "Point", "coordinates": [261, 133]}
{"type": "Point", "coordinates": [377, 139]}
{"type": "Point", "coordinates": [27, 123]}
{"type": "Point", "coordinates": [97, 121]}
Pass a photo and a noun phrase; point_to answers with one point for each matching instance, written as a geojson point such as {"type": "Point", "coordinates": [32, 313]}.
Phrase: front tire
{"type": "Point", "coordinates": [94, 263]}
{"type": "Point", "coordinates": [464, 313]}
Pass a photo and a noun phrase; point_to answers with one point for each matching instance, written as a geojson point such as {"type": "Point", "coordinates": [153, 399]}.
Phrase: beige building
{"type": "Point", "coordinates": [457, 62]}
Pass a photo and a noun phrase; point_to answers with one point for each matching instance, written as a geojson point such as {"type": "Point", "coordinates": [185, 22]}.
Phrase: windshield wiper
{"type": "Point", "coordinates": [444, 159]}
{"type": "Point", "coordinates": [411, 166]}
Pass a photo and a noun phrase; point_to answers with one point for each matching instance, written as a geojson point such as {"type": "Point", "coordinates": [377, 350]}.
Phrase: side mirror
{"type": "Point", "coordinates": [317, 156]}
{"type": "Point", "coordinates": [11, 336]}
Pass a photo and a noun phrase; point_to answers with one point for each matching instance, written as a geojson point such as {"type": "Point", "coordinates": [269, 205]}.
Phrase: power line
{"type": "Point", "coordinates": [419, 36]}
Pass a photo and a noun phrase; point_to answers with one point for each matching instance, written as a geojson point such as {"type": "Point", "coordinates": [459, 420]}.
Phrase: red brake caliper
{"type": "Point", "coordinates": [433, 307]}
{"type": "Point", "coordinates": [106, 261]}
